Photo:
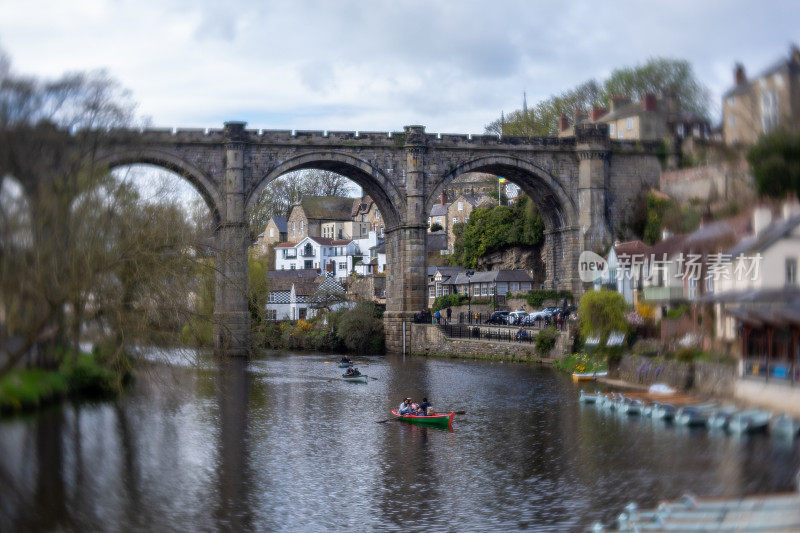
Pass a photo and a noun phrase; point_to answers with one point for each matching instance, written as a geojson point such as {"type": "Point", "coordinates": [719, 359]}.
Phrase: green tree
{"type": "Point", "coordinates": [775, 163]}
{"type": "Point", "coordinates": [602, 312]}
{"type": "Point", "coordinates": [494, 228]}
{"type": "Point", "coordinates": [657, 75]}
{"type": "Point", "coordinates": [361, 328]}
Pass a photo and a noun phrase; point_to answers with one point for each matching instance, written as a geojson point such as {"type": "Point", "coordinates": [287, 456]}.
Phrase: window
{"type": "Point", "coordinates": [438, 289]}
{"type": "Point", "coordinates": [629, 124]}
{"type": "Point", "coordinates": [491, 290]}
{"type": "Point", "coordinates": [301, 228]}
{"type": "Point", "coordinates": [302, 313]}
{"type": "Point", "coordinates": [431, 291]}
{"type": "Point", "coordinates": [476, 290]}
{"type": "Point", "coordinates": [514, 286]}
{"type": "Point", "coordinates": [732, 120]}
{"type": "Point", "coordinates": [363, 230]}
{"type": "Point", "coordinates": [791, 271]}
{"type": "Point", "coordinates": [381, 231]}
{"type": "Point", "coordinates": [483, 289]}
{"type": "Point", "coordinates": [291, 267]}
{"type": "Point", "coordinates": [455, 220]}
{"type": "Point", "coordinates": [292, 228]}
{"type": "Point", "coordinates": [377, 214]}
{"type": "Point", "coordinates": [342, 265]}
{"type": "Point", "coordinates": [611, 129]}
{"type": "Point", "coordinates": [272, 314]}
{"type": "Point", "coordinates": [681, 130]}
{"type": "Point", "coordinates": [460, 206]}
{"type": "Point", "coordinates": [271, 232]}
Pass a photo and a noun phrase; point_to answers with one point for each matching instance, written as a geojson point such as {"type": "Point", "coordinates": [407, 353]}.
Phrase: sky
{"type": "Point", "coordinates": [379, 65]}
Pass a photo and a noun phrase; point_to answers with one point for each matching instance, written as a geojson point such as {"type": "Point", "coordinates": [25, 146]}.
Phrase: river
{"type": "Point", "coordinates": [274, 445]}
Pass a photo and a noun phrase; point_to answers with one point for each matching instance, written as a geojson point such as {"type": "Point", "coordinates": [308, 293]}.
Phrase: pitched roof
{"type": "Point", "coordinates": [769, 236]}
{"type": "Point", "coordinates": [286, 245]}
{"type": "Point", "coordinates": [631, 248]}
{"type": "Point", "coordinates": [326, 241]}
{"type": "Point", "coordinates": [293, 274]}
{"type": "Point", "coordinates": [327, 207]}
{"type": "Point", "coordinates": [302, 286]}
{"type": "Point", "coordinates": [439, 210]}
{"type": "Point", "coordinates": [280, 223]}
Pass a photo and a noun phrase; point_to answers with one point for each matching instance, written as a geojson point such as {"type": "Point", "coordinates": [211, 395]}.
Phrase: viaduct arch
{"type": "Point", "coordinates": [583, 185]}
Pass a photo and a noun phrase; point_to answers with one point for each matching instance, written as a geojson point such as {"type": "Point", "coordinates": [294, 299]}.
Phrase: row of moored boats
{"type": "Point", "coordinates": [685, 412]}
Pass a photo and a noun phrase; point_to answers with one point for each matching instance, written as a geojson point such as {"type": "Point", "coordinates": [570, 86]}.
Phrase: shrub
{"type": "Point", "coordinates": [602, 312]}
{"type": "Point", "coordinates": [546, 341]}
{"type": "Point", "coordinates": [647, 312]}
{"type": "Point", "coordinates": [436, 227]}
{"type": "Point", "coordinates": [361, 329]}
{"type": "Point", "coordinates": [449, 300]}
{"type": "Point", "coordinates": [677, 312]}
{"type": "Point", "coordinates": [580, 363]}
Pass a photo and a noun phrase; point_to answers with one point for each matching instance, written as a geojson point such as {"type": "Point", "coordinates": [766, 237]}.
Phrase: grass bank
{"type": "Point", "coordinates": [580, 363]}
{"type": "Point", "coordinates": [95, 374]}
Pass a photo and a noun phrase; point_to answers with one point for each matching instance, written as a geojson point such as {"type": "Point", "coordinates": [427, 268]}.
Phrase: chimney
{"type": "Point", "coordinates": [618, 101]}
{"type": "Point", "coordinates": [762, 216]}
{"type": "Point", "coordinates": [562, 122]}
{"type": "Point", "coordinates": [649, 102]}
{"type": "Point", "coordinates": [739, 77]}
{"type": "Point", "coordinates": [579, 116]}
{"type": "Point", "coordinates": [668, 96]}
{"type": "Point", "coordinates": [444, 197]}
{"type": "Point", "coordinates": [791, 207]}
{"type": "Point", "coordinates": [597, 112]}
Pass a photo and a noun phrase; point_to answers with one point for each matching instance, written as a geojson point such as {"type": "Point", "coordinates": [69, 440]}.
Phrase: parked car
{"type": "Point", "coordinates": [498, 317]}
{"type": "Point", "coordinates": [515, 317]}
{"type": "Point", "coordinates": [531, 318]}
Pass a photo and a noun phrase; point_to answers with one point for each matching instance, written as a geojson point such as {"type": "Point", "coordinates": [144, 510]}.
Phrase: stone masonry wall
{"type": "Point", "coordinates": [701, 377]}
{"type": "Point", "coordinates": [428, 339]}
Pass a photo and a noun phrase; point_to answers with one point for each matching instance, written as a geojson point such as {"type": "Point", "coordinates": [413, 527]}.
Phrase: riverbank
{"type": "Point", "coordinates": [85, 375]}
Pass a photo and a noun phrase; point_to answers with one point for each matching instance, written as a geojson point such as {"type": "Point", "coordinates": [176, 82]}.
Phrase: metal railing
{"type": "Point", "coordinates": [463, 331]}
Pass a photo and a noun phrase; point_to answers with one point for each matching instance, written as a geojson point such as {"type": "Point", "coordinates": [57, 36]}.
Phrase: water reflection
{"type": "Point", "coordinates": [275, 445]}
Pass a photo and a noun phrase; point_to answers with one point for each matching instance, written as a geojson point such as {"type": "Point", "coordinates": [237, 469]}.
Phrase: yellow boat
{"type": "Point", "coordinates": [587, 376]}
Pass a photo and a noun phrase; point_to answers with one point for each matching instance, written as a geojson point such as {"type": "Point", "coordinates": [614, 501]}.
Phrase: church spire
{"type": "Point", "coordinates": [524, 103]}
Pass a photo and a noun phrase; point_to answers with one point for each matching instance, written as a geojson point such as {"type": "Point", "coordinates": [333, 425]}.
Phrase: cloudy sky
{"type": "Point", "coordinates": [378, 65]}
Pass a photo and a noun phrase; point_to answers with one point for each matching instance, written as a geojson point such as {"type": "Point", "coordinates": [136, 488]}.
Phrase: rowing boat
{"type": "Point", "coordinates": [355, 379]}
{"type": "Point", "coordinates": [431, 420]}
{"type": "Point", "coordinates": [344, 365]}
{"type": "Point", "coordinates": [587, 376]}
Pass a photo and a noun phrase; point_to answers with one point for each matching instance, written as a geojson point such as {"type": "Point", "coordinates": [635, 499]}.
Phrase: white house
{"type": "Point", "coordinates": [626, 267]}
{"type": "Point", "coordinates": [299, 294]}
{"type": "Point", "coordinates": [328, 255]}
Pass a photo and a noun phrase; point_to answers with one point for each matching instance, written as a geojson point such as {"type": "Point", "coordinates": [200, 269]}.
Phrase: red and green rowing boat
{"type": "Point", "coordinates": [432, 420]}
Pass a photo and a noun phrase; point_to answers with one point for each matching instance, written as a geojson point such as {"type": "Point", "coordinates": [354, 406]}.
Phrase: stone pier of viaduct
{"type": "Point", "coordinates": [585, 186]}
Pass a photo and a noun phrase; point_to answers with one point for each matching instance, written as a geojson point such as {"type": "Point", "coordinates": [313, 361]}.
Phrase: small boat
{"type": "Point", "coordinates": [664, 411]}
{"type": "Point", "coordinates": [631, 406]}
{"type": "Point", "coordinates": [749, 421]}
{"type": "Point", "coordinates": [342, 364]}
{"type": "Point", "coordinates": [430, 420]}
{"type": "Point", "coordinates": [694, 415]}
{"type": "Point", "coordinates": [587, 376]}
{"type": "Point", "coordinates": [720, 418]}
{"type": "Point", "coordinates": [361, 378]}
{"type": "Point", "coordinates": [785, 426]}
{"type": "Point", "coordinates": [588, 397]}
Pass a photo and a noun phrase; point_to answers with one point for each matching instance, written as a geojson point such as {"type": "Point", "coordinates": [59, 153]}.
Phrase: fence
{"type": "Point", "coordinates": [462, 331]}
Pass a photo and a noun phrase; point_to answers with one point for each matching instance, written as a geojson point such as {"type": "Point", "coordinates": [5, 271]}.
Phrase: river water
{"type": "Point", "coordinates": [273, 445]}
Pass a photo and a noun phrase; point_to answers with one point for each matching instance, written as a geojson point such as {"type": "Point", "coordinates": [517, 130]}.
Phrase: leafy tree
{"type": "Point", "coordinates": [657, 75]}
{"type": "Point", "coordinates": [436, 227]}
{"type": "Point", "coordinates": [361, 328]}
{"type": "Point", "coordinates": [278, 197]}
{"type": "Point", "coordinates": [493, 228]}
{"type": "Point", "coordinates": [655, 212]}
{"type": "Point", "coordinates": [775, 162]}
{"type": "Point", "coordinates": [602, 312]}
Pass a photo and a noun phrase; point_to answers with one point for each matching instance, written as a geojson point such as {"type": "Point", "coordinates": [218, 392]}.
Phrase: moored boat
{"type": "Point", "coordinates": [694, 415]}
{"type": "Point", "coordinates": [785, 426]}
{"type": "Point", "coordinates": [587, 376]}
{"type": "Point", "coordinates": [442, 420]}
{"type": "Point", "coordinates": [720, 418]}
{"type": "Point", "coordinates": [664, 411]}
{"type": "Point", "coordinates": [588, 397]}
{"type": "Point", "coordinates": [631, 406]}
{"type": "Point", "coordinates": [355, 379]}
{"type": "Point", "coordinates": [749, 421]}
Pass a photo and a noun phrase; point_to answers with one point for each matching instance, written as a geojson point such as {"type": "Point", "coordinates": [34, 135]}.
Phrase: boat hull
{"type": "Point", "coordinates": [588, 376]}
{"type": "Point", "coordinates": [355, 379]}
{"type": "Point", "coordinates": [434, 420]}
{"type": "Point", "coordinates": [345, 365]}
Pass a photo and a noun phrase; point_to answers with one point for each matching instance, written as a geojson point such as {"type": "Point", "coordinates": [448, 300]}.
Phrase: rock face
{"type": "Point", "coordinates": [516, 257]}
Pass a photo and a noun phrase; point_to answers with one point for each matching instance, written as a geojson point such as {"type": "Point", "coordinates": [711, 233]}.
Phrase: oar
{"type": "Point", "coordinates": [332, 379]}
{"type": "Point", "coordinates": [370, 377]}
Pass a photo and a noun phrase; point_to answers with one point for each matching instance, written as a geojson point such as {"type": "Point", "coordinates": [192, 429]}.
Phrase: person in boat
{"type": "Point", "coordinates": [345, 359]}
{"type": "Point", "coordinates": [405, 407]}
{"type": "Point", "coordinates": [424, 407]}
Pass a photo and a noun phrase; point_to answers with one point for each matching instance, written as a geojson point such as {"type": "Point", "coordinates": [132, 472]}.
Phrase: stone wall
{"type": "Point", "coordinates": [430, 340]}
{"type": "Point", "coordinates": [701, 377]}
{"type": "Point", "coordinates": [712, 183]}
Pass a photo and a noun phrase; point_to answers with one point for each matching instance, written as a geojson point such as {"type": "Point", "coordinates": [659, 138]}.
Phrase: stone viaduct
{"type": "Point", "coordinates": [584, 186]}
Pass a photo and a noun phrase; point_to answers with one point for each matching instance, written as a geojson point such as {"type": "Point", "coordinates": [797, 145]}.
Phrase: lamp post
{"type": "Point", "coordinates": [469, 274]}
